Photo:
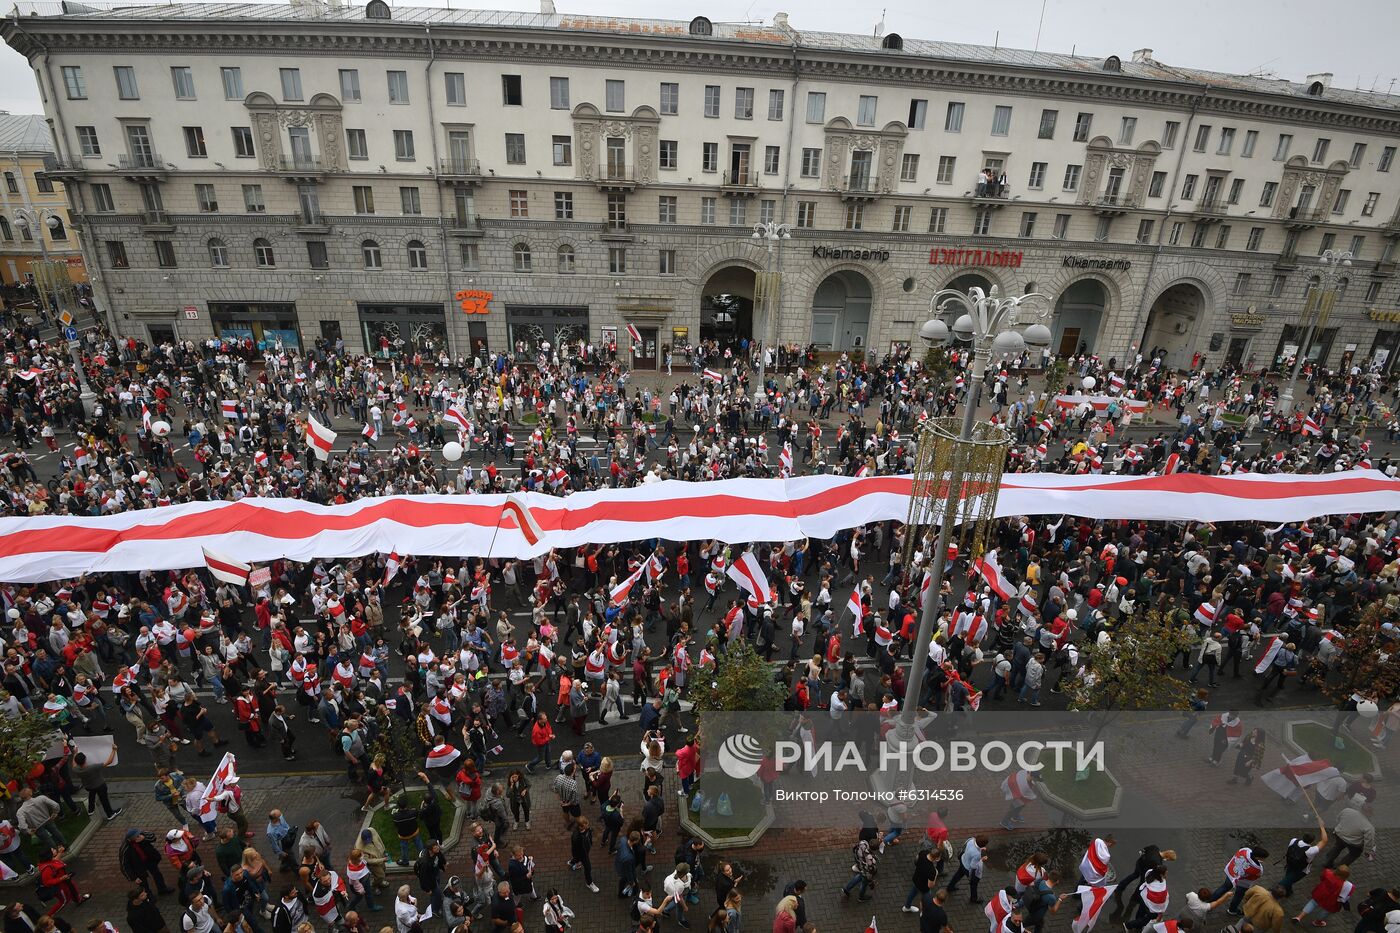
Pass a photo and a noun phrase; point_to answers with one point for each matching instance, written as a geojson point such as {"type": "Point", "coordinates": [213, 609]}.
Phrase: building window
{"type": "Point", "coordinates": [558, 93]}
{"type": "Point", "coordinates": [207, 200]}
{"type": "Point", "coordinates": [116, 255]}
{"type": "Point", "coordinates": [806, 214]}
{"type": "Point", "coordinates": [617, 260]}
{"type": "Point", "coordinates": [364, 199]}
{"type": "Point", "coordinates": [811, 163]}
{"type": "Point", "coordinates": [521, 254]}
{"type": "Point", "coordinates": [417, 255]}
{"type": "Point", "coordinates": [410, 200]}
{"type": "Point", "coordinates": [1028, 224]}
{"type": "Point", "coordinates": [519, 202]}
{"type": "Point", "coordinates": [712, 101]}
{"type": "Point", "coordinates": [1061, 229]}
{"type": "Point", "coordinates": [1320, 149]}
{"type": "Point", "coordinates": [743, 103]}
{"type": "Point", "coordinates": [667, 155]}
{"type": "Point", "coordinates": [946, 167]}
{"type": "Point", "coordinates": [1251, 139]}
{"type": "Point", "coordinates": [1126, 129]}
{"type": "Point", "coordinates": [816, 107]}
{"type": "Point", "coordinates": [918, 113]}
{"type": "Point", "coordinates": [901, 218]}
{"type": "Point", "coordinates": [87, 141]}
{"type": "Point", "coordinates": [855, 216]}
{"type": "Point", "coordinates": [1198, 235]}
{"type": "Point", "coordinates": [73, 84]}
{"type": "Point", "coordinates": [1340, 205]}
{"type": "Point", "coordinates": [1048, 118]}
{"type": "Point", "coordinates": [1037, 176]}
{"type": "Point", "coordinates": [1358, 242]}
{"type": "Point", "coordinates": [938, 220]}
{"type": "Point", "coordinates": [291, 83]}
{"type": "Point", "coordinates": [614, 95]}
{"type": "Point", "coordinates": [707, 210]}
{"type": "Point", "coordinates": [515, 148]}
{"type": "Point", "coordinates": [403, 145]}
{"type": "Point", "coordinates": [253, 202]}
{"type": "Point", "coordinates": [1071, 182]}
{"type": "Point", "coordinates": [1256, 236]}
{"type": "Point", "coordinates": [1369, 208]}
{"type": "Point", "coordinates": [102, 199]}
{"type": "Point", "coordinates": [565, 262]}
{"type": "Point", "coordinates": [709, 157]}
{"type": "Point", "coordinates": [1387, 157]}
{"type": "Point", "coordinates": [1227, 140]}
{"type": "Point", "coordinates": [1328, 241]}
{"type": "Point", "coordinates": [218, 254]}
{"type": "Point", "coordinates": [1285, 142]}
{"type": "Point", "coordinates": [738, 213]}
{"type": "Point", "coordinates": [350, 85]}
{"type": "Point", "coordinates": [1266, 197]}
{"type": "Point", "coordinates": [263, 255]}
{"type": "Point", "coordinates": [670, 98]}
{"type": "Point", "coordinates": [776, 103]}
{"type": "Point", "coordinates": [1202, 137]}
{"type": "Point", "coordinates": [952, 120]}
{"type": "Point", "coordinates": [1373, 291]}
{"type": "Point", "coordinates": [232, 77]}
{"type": "Point", "coordinates": [42, 183]}
{"type": "Point", "coordinates": [909, 167]}
{"type": "Point", "coordinates": [511, 93]}
{"type": "Point", "coordinates": [469, 257]}
{"type": "Point", "coordinates": [126, 87]}
{"type": "Point", "coordinates": [1236, 190]}
{"type": "Point", "coordinates": [242, 142]}
{"type": "Point", "coordinates": [1222, 236]}
{"type": "Point", "coordinates": [1241, 283]}
{"type": "Point", "coordinates": [563, 205]}
{"type": "Point", "coordinates": [865, 110]}
{"type": "Point", "coordinates": [1277, 286]}
{"type": "Point", "coordinates": [563, 149]}
{"type": "Point", "coordinates": [666, 209]}
{"type": "Point", "coordinates": [1103, 229]}
{"type": "Point", "coordinates": [316, 255]}
{"type": "Point", "coordinates": [1174, 237]}
{"type": "Point", "coordinates": [982, 222]}
{"type": "Point", "coordinates": [767, 211]}
{"type": "Point", "coordinates": [1169, 133]}
{"type": "Point", "coordinates": [455, 87]}
{"type": "Point", "coordinates": [1083, 124]}
{"type": "Point", "coordinates": [165, 254]}
{"type": "Point", "coordinates": [1144, 232]}
{"type": "Point", "coordinates": [666, 262]}
{"type": "Point", "coordinates": [183, 81]}
{"type": "Point", "coordinates": [1188, 187]}
{"type": "Point", "coordinates": [194, 142]}
{"type": "Point", "coordinates": [356, 146]}
{"type": "Point", "coordinates": [372, 255]}
{"type": "Point", "coordinates": [1001, 121]}
{"type": "Point", "coordinates": [1155, 186]}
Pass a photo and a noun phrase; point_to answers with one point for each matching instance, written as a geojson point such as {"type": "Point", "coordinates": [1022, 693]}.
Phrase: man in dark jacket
{"type": "Point", "coordinates": [142, 914]}
{"type": "Point", "coordinates": [429, 868]}
{"type": "Point", "coordinates": [139, 860]}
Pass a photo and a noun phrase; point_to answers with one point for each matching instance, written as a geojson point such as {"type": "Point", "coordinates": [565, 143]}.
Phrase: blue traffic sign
{"type": "Point", "coordinates": [70, 333]}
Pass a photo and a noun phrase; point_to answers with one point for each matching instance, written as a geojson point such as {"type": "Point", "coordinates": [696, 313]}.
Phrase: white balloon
{"type": "Point", "coordinates": [142, 476]}
{"type": "Point", "coordinates": [452, 451]}
{"type": "Point", "coordinates": [160, 428]}
{"type": "Point", "coordinates": [1368, 709]}
{"type": "Point", "coordinates": [1089, 383]}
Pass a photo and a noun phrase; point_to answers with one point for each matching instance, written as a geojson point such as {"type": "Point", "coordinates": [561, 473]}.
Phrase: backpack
{"type": "Point", "coordinates": [1295, 857]}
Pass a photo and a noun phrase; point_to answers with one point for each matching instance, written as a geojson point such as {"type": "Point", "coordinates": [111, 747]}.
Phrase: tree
{"type": "Point", "coordinates": [398, 743]}
{"type": "Point", "coordinates": [1055, 374]}
{"type": "Point", "coordinates": [743, 681]}
{"type": "Point", "coordinates": [23, 740]}
{"type": "Point", "coordinates": [1366, 659]}
{"type": "Point", "coordinates": [1132, 670]}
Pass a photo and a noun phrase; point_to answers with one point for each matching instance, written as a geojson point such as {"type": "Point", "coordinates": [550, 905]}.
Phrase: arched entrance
{"type": "Point", "coordinates": [841, 311]}
{"type": "Point", "coordinates": [1172, 323]}
{"type": "Point", "coordinates": [970, 280]}
{"type": "Point", "coordinates": [726, 306]}
{"type": "Point", "coordinates": [1078, 316]}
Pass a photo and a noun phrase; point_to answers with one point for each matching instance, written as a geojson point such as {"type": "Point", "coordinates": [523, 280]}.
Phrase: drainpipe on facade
{"type": "Point", "coordinates": [772, 308]}
{"type": "Point", "coordinates": [1162, 228]}
{"type": "Point", "coordinates": [437, 185]}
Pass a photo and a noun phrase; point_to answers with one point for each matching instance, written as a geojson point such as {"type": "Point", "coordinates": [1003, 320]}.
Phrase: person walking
{"type": "Point", "coordinates": [92, 777]}
{"type": "Point", "coordinates": [580, 849]}
{"type": "Point", "coordinates": [139, 860]}
{"type": "Point", "coordinates": [1331, 893]}
{"type": "Point", "coordinates": [974, 856]}
{"type": "Point", "coordinates": [541, 734]}
{"type": "Point", "coordinates": [1352, 834]}
{"type": "Point", "coordinates": [58, 880]}
{"type": "Point", "coordinates": [865, 863]}
{"type": "Point", "coordinates": [926, 866]}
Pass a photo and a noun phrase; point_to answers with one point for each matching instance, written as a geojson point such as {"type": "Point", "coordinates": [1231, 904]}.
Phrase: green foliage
{"type": "Point", "coordinates": [744, 682]}
{"type": "Point", "coordinates": [1130, 671]}
{"type": "Point", "coordinates": [399, 746]}
{"type": "Point", "coordinates": [1055, 375]}
{"type": "Point", "coordinates": [936, 364]}
{"type": "Point", "coordinates": [1366, 663]}
{"type": "Point", "coordinates": [23, 740]}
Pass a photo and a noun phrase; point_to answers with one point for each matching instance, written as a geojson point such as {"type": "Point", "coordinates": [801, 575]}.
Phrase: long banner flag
{"type": "Point", "coordinates": [1100, 403]}
{"type": "Point", "coordinates": [738, 510]}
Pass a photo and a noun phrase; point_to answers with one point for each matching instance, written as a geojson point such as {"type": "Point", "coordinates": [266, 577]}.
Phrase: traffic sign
{"type": "Point", "coordinates": [70, 333]}
{"type": "Point", "coordinates": [65, 318]}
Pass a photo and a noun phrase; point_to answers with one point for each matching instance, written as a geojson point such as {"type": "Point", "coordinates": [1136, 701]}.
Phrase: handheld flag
{"type": "Point", "coordinates": [748, 573]}
{"type": "Point", "coordinates": [1091, 901]}
{"type": "Point", "coordinates": [227, 569]}
{"type": "Point", "coordinates": [320, 437]}
{"type": "Point", "coordinates": [524, 519]}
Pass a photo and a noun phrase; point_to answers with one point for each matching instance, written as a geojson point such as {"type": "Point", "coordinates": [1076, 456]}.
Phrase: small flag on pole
{"type": "Point", "coordinates": [227, 569]}
{"type": "Point", "coordinates": [391, 566]}
{"type": "Point", "coordinates": [713, 376]}
{"type": "Point", "coordinates": [320, 437]}
{"type": "Point", "coordinates": [230, 409]}
{"type": "Point", "coordinates": [635, 334]}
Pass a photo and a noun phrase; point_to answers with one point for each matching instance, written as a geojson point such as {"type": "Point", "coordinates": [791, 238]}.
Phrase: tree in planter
{"type": "Point", "coordinates": [1055, 374]}
{"type": "Point", "coordinates": [23, 740]}
{"type": "Point", "coordinates": [936, 365]}
{"type": "Point", "coordinates": [1366, 660]}
{"type": "Point", "coordinates": [1130, 670]}
{"type": "Point", "coordinates": [399, 746]}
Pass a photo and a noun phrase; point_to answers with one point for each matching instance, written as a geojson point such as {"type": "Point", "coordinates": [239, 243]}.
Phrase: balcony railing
{"type": "Point", "coordinates": [138, 161]}
{"type": "Point", "coordinates": [461, 167]}
{"type": "Point", "coordinates": [741, 179]}
{"type": "Point", "coordinates": [469, 225]}
{"type": "Point", "coordinates": [156, 219]}
{"type": "Point", "coordinates": [56, 166]}
{"type": "Point", "coordinates": [1307, 215]}
{"type": "Point", "coordinates": [616, 230]}
{"type": "Point", "coordinates": [1211, 206]}
{"type": "Point", "coordinates": [859, 183]}
{"type": "Point", "coordinates": [297, 163]}
{"type": "Point", "coordinates": [312, 220]}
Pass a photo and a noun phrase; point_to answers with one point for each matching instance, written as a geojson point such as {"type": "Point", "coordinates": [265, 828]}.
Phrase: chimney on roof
{"type": "Point", "coordinates": [780, 20]}
{"type": "Point", "coordinates": [1143, 56]}
{"type": "Point", "coordinates": [547, 7]}
{"type": "Point", "coordinates": [1325, 79]}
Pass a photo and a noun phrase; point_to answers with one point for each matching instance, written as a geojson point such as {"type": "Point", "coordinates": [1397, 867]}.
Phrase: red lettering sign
{"type": "Point", "coordinates": [961, 256]}
{"type": "Point", "coordinates": [474, 302]}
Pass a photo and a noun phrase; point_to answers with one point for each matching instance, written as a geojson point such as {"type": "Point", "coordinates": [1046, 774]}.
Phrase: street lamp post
{"type": "Point", "coordinates": [771, 233]}
{"type": "Point", "coordinates": [29, 218]}
{"type": "Point", "coordinates": [1319, 304]}
{"type": "Point", "coordinates": [990, 323]}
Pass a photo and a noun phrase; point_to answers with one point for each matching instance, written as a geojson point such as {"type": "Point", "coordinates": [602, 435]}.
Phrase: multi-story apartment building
{"type": "Point", "coordinates": [396, 176]}
{"type": "Point", "coordinates": [34, 219]}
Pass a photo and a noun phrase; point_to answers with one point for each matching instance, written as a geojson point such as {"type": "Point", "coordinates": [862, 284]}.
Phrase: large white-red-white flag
{"type": "Point", "coordinates": [746, 571]}
{"type": "Point", "coordinates": [1091, 901]}
{"type": "Point", "coordinates": [226, 568]}
{"type": "Point", "coordinates": [990, 569]}
{"type": "Point", "coordinates": [458, 417]}
{"type": "Point", "coordinates": [224, 775]}
{"type": "Point", "coordinates": [320, 437]}
{"type": "Point", "coordinates": [857, 611]}
{"type": "Point", "coordinates": [1268, 650]}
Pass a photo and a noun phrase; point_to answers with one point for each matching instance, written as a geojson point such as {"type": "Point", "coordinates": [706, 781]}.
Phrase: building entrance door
{"type": "Point", "coordinates": [1069, 342]}
{"type": "Point", "coordinates": [644, 354]}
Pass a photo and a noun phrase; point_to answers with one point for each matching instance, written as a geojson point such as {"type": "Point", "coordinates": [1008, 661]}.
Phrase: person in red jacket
{"type": "Point", "coordinates": [688, 764]}
{"type": "Point", "coordinates": [541, 734]}
{"type": "Point", "coordinates": [1332, 893]}
{"type": "Point", "coordinates": [54, 875]}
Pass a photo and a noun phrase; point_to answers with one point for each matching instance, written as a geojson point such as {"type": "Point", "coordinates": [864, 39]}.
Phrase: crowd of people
{"type": "Point", "coordinates": [433, 652]}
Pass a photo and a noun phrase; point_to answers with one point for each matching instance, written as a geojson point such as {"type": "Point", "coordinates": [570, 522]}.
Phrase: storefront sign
{"type": "Point", "coordinates": [1247, 319]}
{"type": "Point", "coordinates": [474, 302]}
{"type": "Point", "coordinates": [975, 257]}
{"type": "Point", "coordinates": [1388, 317]}
{"type": "Point", "coordinates": [1095, 262]}
{"type": "Point", "coordinates": [841, 252]}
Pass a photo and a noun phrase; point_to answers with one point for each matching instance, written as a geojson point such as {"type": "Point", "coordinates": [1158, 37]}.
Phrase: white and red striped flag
{"type": "Point", "coordinates": [748, 573]}
{"type": "Point", "coordinates": [1172, 465]}
{"type": "Point", "coordinates": [857, 610]}
{"type": "Point", "coordinates": [224, 774]}
{"type": "Point", "coordinates": [1298, 774]}
{"type": "Point", "coordinates": [1028, 605]}
{"type": "Point", "coordinates": [441, 755]}
{"type": "Point", "coordinates": [524, 519]}
{"type": "Point", "coordinates": [635, 334]}
{"type": "Point", "coordinates": [320, 437]}
{"type": "Point", "coordinates": [145, 416]}
{"type": "Point", "coordinates": [990, 569]}
{"type": "Point", "coordinates": [618, 594]}
{"type": "Point", "coordinates": [1270, 648]}
{"type": "Point", "coordinates": [391, 566]}
{"type": "Point", "coordinates": [1115, 383]}
{"type": "Point", "coordinates": [370, 434]}
{"type": "Point", "coordinates": [872, 928]}
{"type": "Point", "coordinates": [1018, 786]}
{"type": "Point", "coordinates": [459, 418]}
{"type": "Point", "coordinates": [1311, 427]}
{"type": "Point", "coordinates": [226, 568]}
{"type": "Point", "coordinates": [1091, 901]}
{"type": "Point", "coordinates": [1205, 613]}
{"type": "Point", "coordinates": [785, 461]}
{"type": "Point", "coordinates": [713, 376]}
{"type": "Point", "coordinates": [229, 407]}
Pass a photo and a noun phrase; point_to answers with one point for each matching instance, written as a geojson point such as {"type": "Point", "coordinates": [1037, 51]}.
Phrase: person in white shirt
{"type": "Point", "coordinates": [200, 916]}
{"type": "Point", "coordinates": [406, 915]}
{"type": "Point", "coordinates": [677, 886]}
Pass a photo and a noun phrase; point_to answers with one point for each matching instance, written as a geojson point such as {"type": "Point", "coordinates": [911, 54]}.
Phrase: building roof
{"type": "Point", "coordinates": [24, 132]}
{"type": "Point", "coordinates": [757, 33]}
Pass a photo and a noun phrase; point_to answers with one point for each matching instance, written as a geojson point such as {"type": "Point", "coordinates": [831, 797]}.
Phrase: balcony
{"type": "Point", "coordinates": [1286, 262]}
{"type": "Point", "coordinates": [301, 167]}
{"type": "Point", "coordinates": [616, 231]}
{"type": "Point", "coordinates": [743, 184]}
{"type": "Point", "coordinates": [312, 222]}
{"type": "Point", "coordinates": [1391, 228]}
{"type": "Point", "coordinates": [616, 178]}
{"type": "Point", "coordinates": [1305, 218]}
{"type": "Point", "coordinates": [1111, 205]}
{"type": "Point", "coordinates": [460, 171]}
{"type": "Point", "coordinates": [467, 227]}
{"type": "Point", "coordinates": [143, 166]}
{"type": "Point", "coordinates": [859, 186]}
{"type": "Point", "coordinates": [64, 168]}
{"type": "Point", "coordinates": [156, 222]}
{"type": "Point", "coordinates": [1209, 209]}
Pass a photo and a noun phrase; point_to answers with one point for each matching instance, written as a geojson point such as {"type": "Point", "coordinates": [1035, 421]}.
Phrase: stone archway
{"type": "Point", "coordinates": [1172, 324]}
{"type": "Point", "coordinates": [841, 307]}
{"type": "Point", "coordinates": [1079, 315]}
{"type": "Point", "coordinates": [726, 305]}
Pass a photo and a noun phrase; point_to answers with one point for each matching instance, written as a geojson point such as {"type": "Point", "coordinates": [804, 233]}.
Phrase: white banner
{"type": "Point", "coordinates": [737, 510]}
